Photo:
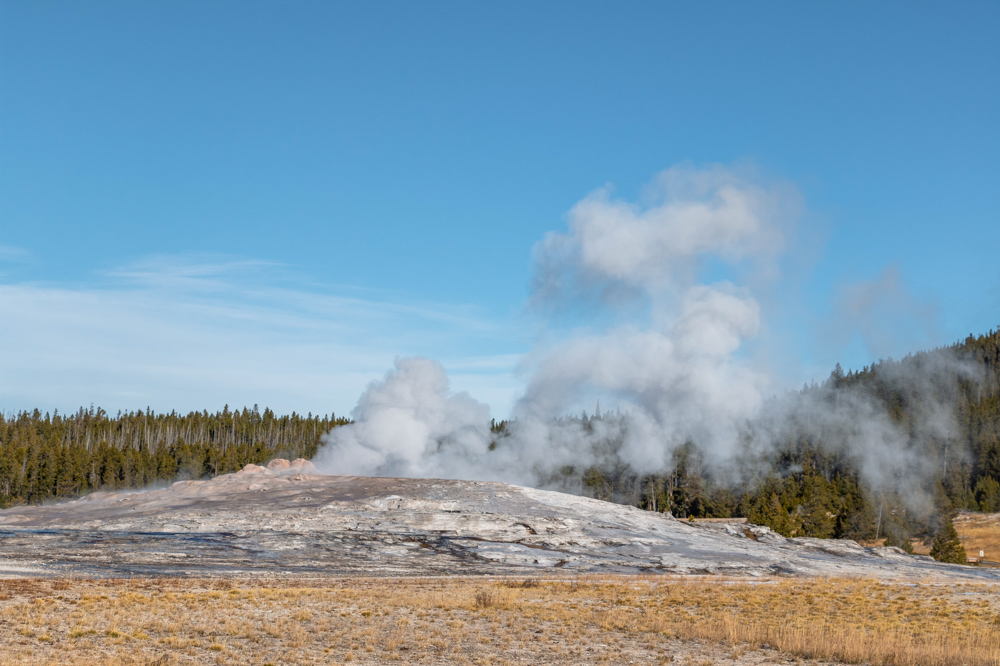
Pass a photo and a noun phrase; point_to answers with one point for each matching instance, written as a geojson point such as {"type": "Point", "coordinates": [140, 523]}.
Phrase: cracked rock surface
{"type": "Point", "coordinates": [288, 520]}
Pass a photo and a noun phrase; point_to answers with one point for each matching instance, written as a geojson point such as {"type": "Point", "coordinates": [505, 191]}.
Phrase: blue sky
{"type": "Point", "coordinates": [235, 202]}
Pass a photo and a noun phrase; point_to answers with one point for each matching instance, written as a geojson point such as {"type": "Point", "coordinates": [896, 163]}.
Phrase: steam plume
{"type": "Point", "coordinates": [650, 331]}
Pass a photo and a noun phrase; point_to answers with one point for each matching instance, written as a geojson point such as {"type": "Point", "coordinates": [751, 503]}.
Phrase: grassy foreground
{"type": "Point", "coordinates": [483, 621]}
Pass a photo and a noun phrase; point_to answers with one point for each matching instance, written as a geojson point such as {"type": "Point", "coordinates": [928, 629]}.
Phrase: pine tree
{"type": "Point", "coordinates": [988, 494]}
{"type": "Point", "coordinates": [769, 512]}
{"type": "Point", "coordinates": [947, 546]}
{"type": "Point", "coordinates": [45, 457]}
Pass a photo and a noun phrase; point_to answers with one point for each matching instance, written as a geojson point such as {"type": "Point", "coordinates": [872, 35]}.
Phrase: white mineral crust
{"type": "Point", "coordinates": [287, 519]}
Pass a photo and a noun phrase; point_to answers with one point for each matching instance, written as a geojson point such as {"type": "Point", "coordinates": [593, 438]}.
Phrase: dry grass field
{"type": "Point", "coordinates": [640, 620]}
{"type": "Point", "coordinates": [978, 531]}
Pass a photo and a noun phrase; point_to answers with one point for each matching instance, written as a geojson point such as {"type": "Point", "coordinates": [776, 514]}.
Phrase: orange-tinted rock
{"type": "Point", "coordinates": [304, 466]}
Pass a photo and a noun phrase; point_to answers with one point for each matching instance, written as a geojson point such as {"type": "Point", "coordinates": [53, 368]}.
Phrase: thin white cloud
{"type": "Point", "coordinates": [12, 254]}
{"type": "Point", "coordinates": [200, 272]}
{"type": "Point", "coordinates": [173, 333]}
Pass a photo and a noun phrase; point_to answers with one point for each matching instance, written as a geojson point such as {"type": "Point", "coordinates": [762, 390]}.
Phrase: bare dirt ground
{"type": "Point", "coordinates": [612, 620]}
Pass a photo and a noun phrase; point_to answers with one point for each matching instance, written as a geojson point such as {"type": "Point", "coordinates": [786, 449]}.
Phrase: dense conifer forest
{"type": "Point", "coordinates": [805, 488]}
{"type": "Point", "coordinates": [55, 456]}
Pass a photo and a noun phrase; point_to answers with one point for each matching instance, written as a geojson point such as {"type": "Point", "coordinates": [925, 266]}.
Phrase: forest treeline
{"type": "Point", "coordinates": [812, 487]}
{"type": "Point", "coordinates": [805, 486]}
{"type": "Point", "coordinates": [55, 456]}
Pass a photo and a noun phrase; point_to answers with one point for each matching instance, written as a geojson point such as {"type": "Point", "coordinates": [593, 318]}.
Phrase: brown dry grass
{"type": "Point", "coordinates": [476, 620]}
{"type": "Point", "coordinates": [978, 531]}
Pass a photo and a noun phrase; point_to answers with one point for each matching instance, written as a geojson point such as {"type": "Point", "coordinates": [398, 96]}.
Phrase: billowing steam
{"type": "Point", "coordinates": [410, 424]}
{"type": "Point", "coordinates": [660, 301]}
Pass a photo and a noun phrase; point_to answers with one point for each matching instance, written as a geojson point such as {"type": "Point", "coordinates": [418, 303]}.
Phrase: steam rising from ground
{"type": "Point", "coordinates": [659, 299]}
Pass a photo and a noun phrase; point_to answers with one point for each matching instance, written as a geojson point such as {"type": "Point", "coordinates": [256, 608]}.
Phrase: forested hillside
{"type": "Point", "coordinates": [812, 488]}
{"type": "Point", "coordinates": [46, 457]}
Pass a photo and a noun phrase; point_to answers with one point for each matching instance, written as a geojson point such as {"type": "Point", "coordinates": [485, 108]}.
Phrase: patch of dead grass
{"type": "Point", "coordinates": [474, 620]}
{"type": "Point", "coordinates": [979, 531]}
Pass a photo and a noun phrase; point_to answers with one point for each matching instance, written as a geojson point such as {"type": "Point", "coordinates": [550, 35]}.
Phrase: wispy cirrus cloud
{"type": "Point", "coordinates": [13, 254]}
{"type": "Point", "coordinates": [196, 332]}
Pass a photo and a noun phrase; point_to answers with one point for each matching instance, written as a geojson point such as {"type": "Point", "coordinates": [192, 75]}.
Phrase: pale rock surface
{"type": "Point", "coordinates": [286, 519]}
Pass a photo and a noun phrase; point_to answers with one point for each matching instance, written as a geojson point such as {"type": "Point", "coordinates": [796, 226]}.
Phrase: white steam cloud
{"type": "Point", "coordinates": [410, 424]}
{"type": "Point", "coordinates": [661, 301]}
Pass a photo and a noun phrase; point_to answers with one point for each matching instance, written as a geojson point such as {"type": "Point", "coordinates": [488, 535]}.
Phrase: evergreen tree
{"type": "Point", "coordinates": [988, 494]}
{"type": "Point", "coordinates": [46, 457]}
{"type": "Point", "coordinates": [947, 546]}
{"type": "Point", "coordinates": [769, 511]}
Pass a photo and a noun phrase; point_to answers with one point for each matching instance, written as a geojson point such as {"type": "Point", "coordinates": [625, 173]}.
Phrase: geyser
{"type": "Point", "coordinates": [651, 305]}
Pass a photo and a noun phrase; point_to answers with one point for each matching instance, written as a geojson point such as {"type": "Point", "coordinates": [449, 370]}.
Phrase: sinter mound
{"type": "Point", "coordinates": [287, 519]}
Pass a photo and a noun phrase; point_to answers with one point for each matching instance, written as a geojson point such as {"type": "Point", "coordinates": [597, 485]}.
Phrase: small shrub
{"type": "Point", "coordinates": [526, 584]}
{"type": "Point", "coordinates": [492, 597]}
